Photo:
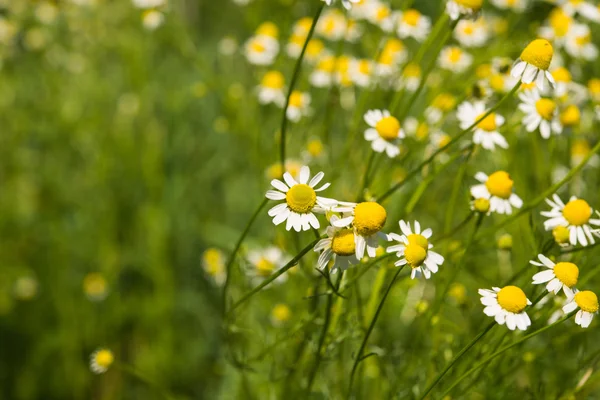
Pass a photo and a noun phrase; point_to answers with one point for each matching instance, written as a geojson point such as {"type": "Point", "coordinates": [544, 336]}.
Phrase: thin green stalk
{"type": "Point", "coordinates": [295, 75]}
{"type": "Point", "coordinates": [456, 188]}
{"type": "Point", "coordinates": [502, 350]}
{"type": "Point", "coordinates": [236, 249]}
{"type": "Point", "coordinates": [363, 270]}
{"type": "Point", "coordinates": [455, 359]}
{"type": "Point", "coordinates": [358, 358]}
{"type": "Point", "coordinates": [313, 371]}
{"type": "Point", "coordinates": [456, 228]}
{"type": "Point", "coordinates": [365, 178]}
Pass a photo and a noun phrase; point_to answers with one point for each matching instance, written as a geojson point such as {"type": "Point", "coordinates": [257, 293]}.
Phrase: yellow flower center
{"type": "Point", "coordinates": [418, 240]}
{"type": "Point", "coordinates": [412, 70]}
{"type": "Point", "coordinates": [567, 273]}
{"type": "Point", "coordinates": [538, 53]}
{"type": "Point", "coordinates": [329, 25]}
{"type": "Point", "coordinates": [415, 255]}
{"type": "Point", "coordinates": [104, 358]}
{"type": "Point", "coordinates": [296, 99]}
{"type": "Point", "coordinates": [273, 80]}
{"type": "Point", "coordinates": [342, 243]}
{"type": "Point", "coordinates": [545, 108]}
{"type": "Point", "coordinates": [560, 22]}
{"type": "Point", "coordinates": [388, 128]}
{"type": "Point", "coordinates": [512, 299]}
{"type": "Point", "coordinates": [364, 67]}
{"type": "Point", "coordinates": [411, 17]}
{"type": "Point", "coordinates": [580, 148]}
{"type": "Point", "coordinates": [561, 74]}
{"type": "Point", "coordinates": [315, 147]}
{"type": "Point", "coordinates": [268, 29]}
{"type": "Point", "coordinates": [443, 140]}
{"type": "Point", "coordinates": [474, 5]}
{"type": "Point", "coordinates": [499, 184]}
{"type": "Point", "coordinates": [583, 40]}
{"type": "Point", "coordinates": [258, 47]}
{"type": "Point", "coordinates": [444, 101]}
{"type": "Point", "coordinates": [422, 131]}
{"type": "Point", "coordinates": [561, 234]}
{"type": "Point", "coordinates": [481, 205]}
{"type": "Point", "coordinates": [94, 284]}
{"type": "Point", "coordinates": [454, 55]}
{"type": "Point", "coordinates": [301, 198]}
{"type": "Point", "coordinates": [382, 13]}
{"type": "Point", "coordinates": [488, 123]}
{"type": "Point", "coordinates": [369, 218]}
{"type": "Point", "coordinates": [594, 86]}
{"type": "Point", "coordinates": [483, 71]}
{"type": "Point", "coordinates": [570, 116]}
{"type": "Point", "coordinates": [468, 29]}
{"type": "Point", "coordinates": [577, 212]}
{"type": "Point", "coordinates": [281, 313]}
{"type": "Point", "coordinates": [326, 64]}
{"type": "Point", "coordinates": [264, 267]}
{"type": "Point", "coordinates": [393, 45]}
{"type": "Point", "coordinates": [314, 47]}
{"type": "Point", "coordinates": [497, 82]}
{"type": "Point", "coordinates": [587, 301]}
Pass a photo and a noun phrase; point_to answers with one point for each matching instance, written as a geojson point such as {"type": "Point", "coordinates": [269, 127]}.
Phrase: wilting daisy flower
{"type": "Point", "coordinates": [576, 216]}
{"type": "Point", "coordinates": [562, 275]}
{"type": "Point", "coordinates": [261, 50]}
{"type": "Point", "coordinates": [213, 263]}
{"type": "Point", "coordinates": [95, 286]}
{"type": "Point", "coordinates": [540, 112]}
{"type": "Point", "coordinates": [581, 7]}
{"type": "Point", "coordinates": [506, 305]}
{"type": "Point", "coordinates": [412, 23]}
{"type": "Point", "coordinates": [346, 3]}
{"type": "Point", "coordinates": [498, 189]}
{"type": "Point", "coordinates": [264, 262]}
{"type": "Point", "coordinates": [587, 302]}
{"type": "Point", "coordinates": [471, 33]}
{"type": "Point", "coordinates": [468, 9]}
{"type": "Point", "coordinates": [515, 5]}
{"type": "Point", "coordinates": [324, 73]}
{"type": "Point", "coordinates": [486, 132]}
{"type": "Point", "coordinates": [101, 360]}
{"type": "Point", "coordinates": [579, 43]}
{"type": "Point", "coordinates": [300, 200]}
{"type": "Point", "coordinates": [454, 59]}
{"type": "Point", "coordinates": [534, 62]}
{"type": "Point", "coordinates": [384, 132]}
{"type": "Point", "coordinates": [367, 220]}
{"type": "Point", "coordinates": [298, 106]}
{"type": "Point", "coordinates": [339, 245]}
{"type": "Point", "coordinates": [415, 250]}
{"type": "Point", "coordinates": [271, 89]}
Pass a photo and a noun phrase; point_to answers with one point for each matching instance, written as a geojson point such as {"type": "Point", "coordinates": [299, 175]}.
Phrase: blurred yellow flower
{"type": "Point", "coordinates": [101, 360]}
{"type": "Point", "coordinates": [95, 286]}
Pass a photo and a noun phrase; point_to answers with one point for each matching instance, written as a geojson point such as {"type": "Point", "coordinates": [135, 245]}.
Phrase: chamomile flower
{"type": "Point", "coordinates": [514, 5]}
{"type": "Point", "coordinates": [384, 132]}
{"type": "Point", "coordinates": [367, 219]}
{"type": "Point", "coordinates": [579, 43]}
{"type": "Point", "coordinates": [414, 249]}
{"type": "Point", "coordinates": [507, 306]}
{"type": "Point", "coordinates": [486, 132]}
{"type": "Point", "coordinates": [411, 23]}
{"type": "Point", "coordinates": [261, 50]}
{"type": "Point", "coordinates": [300, 200]}
{"type": "Point", "coordinates": [271, 89]}
{"type": "Point", "coordinates": [152, 19]}
{"type": "Point", "coordinates": [101, 360]}
{"type": "Point", "coordinates": [392, 55]}
{"type": "Point", "coordinates": [570, 116]}
{"type": "Point", "coordinates": [453, 58]}
{"type": "Point", "coordinates": [381, 14]}
{"type": "Point", "coordinates": [346, 3]}
{"type": "Point", "coordinates": [95, 286]}
{"type": "Point", "coordinates": [557, 27]}
{"type": "Point", "coordinates": [440, 105]}
{"type": "Point", "coordinates": [280, 314]}
{"type": "Point", "coordinates": [299, 106]}
{"type": "Point", "coordinates": [324, 72]}
{"type": "Point", "coordinates": [576, 216]}
{"type": "Point", "coordinates": [562, 275]}
{"type": "Point", "coordinates": [581, 7]}
{"type": "Point", "coordinates": [540, 113]}
{"type": "Point", "coordinates": [471, 33]}
{"type": "Point", "coordinates": [315, 49]}
{"type": "Point", "coordinates": [498, 189]}
{"type": "Point", "coordinates": [533, 64]}
{"type": "Point", "coordinates": [213, 263]}
{"type": "Point", "coordinates": [340, 245]}
{"type": "Point", "coordinates": [361, 72]}
{"type": "Point", "coordinates": [331, 25]}
{"type": "Point", "coordinates": [587, 302]}
{"type": "Point", "coordinates": [480, 205]}
{"type": "Point", "coordinates": [466, 9]}
{"type": "Point", "coordinates": [411, 77]}
{"type": "Point", "coordinates": [563, 81]}
{"type": "Point", "coordinates": [593, 87]}
{"type": "Point", "coordinates": [264, 262]}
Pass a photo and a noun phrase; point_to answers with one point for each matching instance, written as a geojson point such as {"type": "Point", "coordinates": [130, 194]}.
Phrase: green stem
{"type": "Point", "coordinates": [365, 178]}
{"type": "Point", "coordinates": [295, 75]}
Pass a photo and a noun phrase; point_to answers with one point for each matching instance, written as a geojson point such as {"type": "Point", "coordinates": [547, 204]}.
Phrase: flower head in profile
{"type": "Point", "coordinates": [339, 245]}
{"type": "Point", "coordinates": [265, 262]}
{"type": "Point", "coordinates": [533, 64]}
{"type": "Point", "coordinates": [507, 306]}
{"type": "Point", "coordinates": [562, 275]}
{"type": "Point", "coordinates": [367, 220]}
{"type": "Point", "coordinates": [300, 200]}
{"type": "Point", "coordinates": [466, 9]}
{"type": "Point", "coordinates": [384, 132]}
{"type": "Point", "coordinates": [271, 89]}
{"type": "Point", "coordinates": [575, 216]}
{"type": "Point", "coordinates": [414, 250]}
{"type": "Point", "coordinates": [486, 132]}
{"type": "Point", "coordinates": [101, 360]}
{"type": "Point", "coordinates": [498, 189]}
{"type": "Point", "coordinates": [540, 113]}
{"type": "Point", "coordinates": [587, 303]}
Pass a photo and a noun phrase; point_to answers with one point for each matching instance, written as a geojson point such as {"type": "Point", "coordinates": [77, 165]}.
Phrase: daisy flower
{"type": "Point", "coordinates": [575, 216]}
{"type": "Point", "coordinates": [152, 19]}
{"type": "Point", "coordinates": [468, 9]}
{"type": "Point", "coordinates": [384, 132]}
{"type": "Point", "coordinates": [300, 200]}
{"type": "Point", "coordinates": [587, 302]}
{"type": "Point", "coordinates": [583, 8]}
{"type": "Point", "coordinates": [486, 132]}
{"type": "Point", "coordinates": [480, 205]}
{"type": "Point", "coordinates": [367, 220]}
{"type": "Point", "coordinates": [540, 113]}
{"type": "Point", "coordinates": [533, 64]}
{"type": "Point", "coordinates": [315, 49]}
{"type": "Point", "coordinates": [411, 77]}
{"type": "Point", "coordinates": [440, 105]}
{"type": "Point", "coordinates": [562, 275]}
{"type": "Point", "coordinates": [268, 29]}
{"type": "Point", "coordinates": [557, 27]}
{"type": "Point", "coordinates": [412, 23]}
{"type": "Point", "coordinates": [471, 33]}
{"type": "Point", "coordinates": [331, 25]}
{"type": "Point", "coordinates": [579, 43]}
{"type": "Point", "coordinates": [101, 360]}
{"type": "Point", "coordinates": [323, 74]}
{"type": "Point", "coordinates": [361, 72]}
{"type": "Point", "coordinates": [380, 14]}
{"type": "Point", "coordinates": [261, 50]}
{"type": "Point", "coordinates": [339, 246]}
{"type": "Point", "coordinates": [213, 263]}
{"type": "Point", "coordinates": [264, 262]}
{"type": "Point", "coordinates": [515, 5]}
{"type": "Point", "coordinates": [498, 189]}
{"type": "Point", "coordinates": [570, 117]}
{"type": "Point", "coordinates": [280, 314]}
{"type": "Point", "coordinates": [452, 58]}
{"type": "Point", "coordinates": [271, 89]}
{"type": "Point", "coordinates": [415, 250]}
{"type": "Point", "coordinates": [563, 81]}
{"type": "Point", "coordinates": [346, 3]}
{"type": "Point", "coordinates": [506, 305]}
{"type": "Point", "coordinates": [392, 55]}
{"type": "Point", "coordinates": [298, 106]}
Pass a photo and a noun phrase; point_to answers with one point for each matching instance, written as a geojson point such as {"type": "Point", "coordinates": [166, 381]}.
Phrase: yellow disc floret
{"type": "Point", "coordinates": [369, 218]}
{"type": "Point", "coordinates": [499, 184]}
{"type": "Point", "coordinates": [296, 99]}
{"type": "Point", "coordinates": [567, 273]}
{"type": "Point", "coordinates": [587, 301]}
{"type": "Point", "coordinates": [538, 53]}
{"type": "Point", "coordinates": [281, 313]}
{"type": "Point", "coordinates": [268, 29]}
{"type": "Point", "coordinates": [388, 128]}
{"type": "Point", "coordinates": [273, 80]}
{"type": "Point", "coordinates": [512, 299]}
{"type": "Point", "coordinates": [104, 358]}
{"type": "Point", "coordinates": [264, 267]}
{"type": "Point", "coordinates": [301, 198]}
{"type": "Point", "coordinates": [342, 243]}
{"type": "Point", "coordinates": [570, 115]}
{"type": "Point", "coordinates": [411, 17]}
{"type": "Point", "coordinates": [481, 205]}
{"type": "Point", "coordinates": [577, 212]}
{"type": "Point", "coordinates": [561, 234]}
{"type": "Point", "coordinates": [415, 255]}
{"type": "Point", "coordinates": [488, 124]}
{"type": "Point", "coordinates": [472, 4]}
{"type": "Point", "coordinates": [545, 108]}
{"type": "Point", "coordinates": [418, 240]}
